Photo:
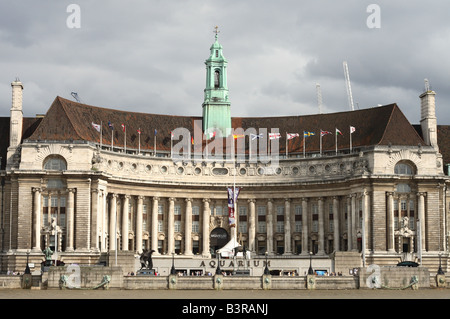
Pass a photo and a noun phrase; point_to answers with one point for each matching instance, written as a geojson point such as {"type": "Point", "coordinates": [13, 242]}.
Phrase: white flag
{"type": "Point", "coordinates": [290, 136]}
{"type": "Point", "coordinates": [352, 129]}
{"type": "Point", "coordinates": [96, 126]}
{"type": "Point", "coordinates": [273, 136]}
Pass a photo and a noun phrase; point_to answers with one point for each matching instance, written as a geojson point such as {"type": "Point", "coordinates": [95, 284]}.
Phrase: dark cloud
{"type": "Point", "coordinates": [148, 56]}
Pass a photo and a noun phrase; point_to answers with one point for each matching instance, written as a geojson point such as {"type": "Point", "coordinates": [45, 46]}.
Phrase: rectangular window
{"type": "Point", "coordinates": [280, 226]}
{"type": "Point", "coordinates": [160, 226]}
{"type": "Point", "coordinates": [242, 226]}
{"type": "Point", "coordinates": [144, 217]}
{"type": "Point", "coordinates": [262, 227]}
{"type": "Point", "coordinates": [195, 226]}
{"type": "Point", "coordinates": [177, 226]}
{"type": "Point", "coordinates": [298, 226]}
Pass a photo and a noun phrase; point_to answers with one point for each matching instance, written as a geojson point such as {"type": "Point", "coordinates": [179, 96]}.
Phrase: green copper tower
{"type": "Point", "coordinates": [216, 105]}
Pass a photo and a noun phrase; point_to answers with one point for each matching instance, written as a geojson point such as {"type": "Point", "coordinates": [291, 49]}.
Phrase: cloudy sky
{"type": "Point", "coordinates": [148, 56]}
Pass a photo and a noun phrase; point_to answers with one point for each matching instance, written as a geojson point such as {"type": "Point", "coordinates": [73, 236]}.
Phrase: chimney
{"type": "Point", "coordinates": [428, 120]}
{"type": "Point", "coordinates": [16, 119]}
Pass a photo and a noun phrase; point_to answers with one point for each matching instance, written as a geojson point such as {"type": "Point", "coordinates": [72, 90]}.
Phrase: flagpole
{"type": "Point", "coordinates": [234, 193]}
{"type": "Point", "coordinates": [335, 137]}
{"type": "Point", "coordinates": [304, 145]}
{"type": "Point", "coordinates": [350, 139]}
{"type": "Point", "coordinates": [112, 139]}
{"type": "Point", "coordinates": [286, 145]}
{"type": "Point", "coordinates": [125, 139]}
{"type": "Point", "coordinates": [171, 145]}
{"type": "Point", "coordinates": [101, 130]}
{"type": "Point", "coordinates": [154, 148]}
{"type": "Point", "coordinates": [320, 142]}
{"type": "Point", "coordinates": [139, 152]}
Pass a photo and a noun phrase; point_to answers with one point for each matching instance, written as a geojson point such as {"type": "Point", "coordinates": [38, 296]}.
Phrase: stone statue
{"type": "Point", "coordinates": [146, 259]}
{"type": "Point", "coordinates": [48, 256]}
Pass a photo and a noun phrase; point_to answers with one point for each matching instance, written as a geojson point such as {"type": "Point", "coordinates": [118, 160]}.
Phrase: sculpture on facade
{"type": "Point", "coordinates": [146, 259]}
{"type": "Point", "coordinates": [48, 256]}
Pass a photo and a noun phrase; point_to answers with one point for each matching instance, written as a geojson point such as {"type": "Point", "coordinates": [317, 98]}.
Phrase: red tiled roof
{"type": "Point", "coordinates": [69, 120]}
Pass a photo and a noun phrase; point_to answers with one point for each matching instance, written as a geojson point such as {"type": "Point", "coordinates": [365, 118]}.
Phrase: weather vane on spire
{"type": "Point", "coordinates": [216, 31]}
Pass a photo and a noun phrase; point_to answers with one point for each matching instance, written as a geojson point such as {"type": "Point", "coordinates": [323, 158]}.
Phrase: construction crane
{"type": "Point", "coordinates": [349, 87]}
{"type": "Point", "coordinates": [319, 97]}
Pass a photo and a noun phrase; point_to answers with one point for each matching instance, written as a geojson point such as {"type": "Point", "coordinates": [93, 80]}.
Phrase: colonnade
{"type": "Point", "coordinates": [111, 228]}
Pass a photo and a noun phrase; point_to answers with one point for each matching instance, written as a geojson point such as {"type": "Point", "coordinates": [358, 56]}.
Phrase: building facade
{"type": "Point", "coordinates": [367, 187]}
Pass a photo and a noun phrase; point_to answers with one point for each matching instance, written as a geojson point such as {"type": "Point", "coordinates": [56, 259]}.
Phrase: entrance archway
{"type": "Point", "coordinates": [217, 239]}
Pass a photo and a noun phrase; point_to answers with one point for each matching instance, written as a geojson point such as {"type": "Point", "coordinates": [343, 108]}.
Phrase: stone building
{"type": "Point", "coordinates": [352, 188]}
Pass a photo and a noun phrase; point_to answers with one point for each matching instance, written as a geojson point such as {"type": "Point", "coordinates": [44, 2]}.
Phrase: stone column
{"type": "Point", "coordinates": [126, 203]}
{"type": "Point", "coordinates": [94, 219]}
{"type": "Point", "coordinates": [70, 220]}
{"type": "Point", "coordinates": [421, 208]}
{"type": "Point", "coordinates": [112, 221]}
{"type": "Point", "coordinates": [390, 221]}
{"type": "Point", "coordinates": [154, 232]}
{"type": "Point", "coordinates": [365, 211]}
{"type": "Point", "coordinates": [336, 234]}
{"type": "Point", "coordinates": [188, 228]}
{"type": "Point", "coordinates": [287, 226]}
{"type": "Point", "coordinates": [104, 219]}
{"type": "Point", "coordinates": [321, 228]}
{"type": "Point", "coordinates": [37, 219]}
{"type": "Point", "coordinates": [139, 222]}
{"type": "Point", "coordinates": [205, 230]}
{"type": "Point", "coordinates": [170, 227]}
{"type": "Point", "coordinates": [354, 220]}
{"type": "Point", "coordinates": [269, 226]}
{"type": "Point", "coordinates": [305, 226]}
{"type": "Point", "coordinates": [349, 224]}
{"type": "Point", "coordinates": [251, 225]}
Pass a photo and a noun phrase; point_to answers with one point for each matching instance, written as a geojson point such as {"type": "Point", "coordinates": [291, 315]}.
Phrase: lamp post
{"type": "Point", "coordinates": [266, 269]}
{"type": "Point", "coordinates": [310, 270]}
{"type": "Point", "coordinates": [172, 270]}
{"type": "Point", "coordinates": [218, 270]}
{"type": "Point", "coordinates": [440, 271]}
{"type": "Point", "coordinates": [27, 268]}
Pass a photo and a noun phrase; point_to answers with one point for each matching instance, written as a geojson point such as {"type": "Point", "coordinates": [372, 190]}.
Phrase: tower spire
{"type": "Point", "coordinates": [216, 105]}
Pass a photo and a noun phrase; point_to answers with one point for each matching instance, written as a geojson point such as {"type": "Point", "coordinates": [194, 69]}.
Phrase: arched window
{"type": "Point", "coordinates": [216, 79]}
{"type": "Point", "coordinates": [55, 163]}
{"type": "Point", "coordinates": [403, 169]}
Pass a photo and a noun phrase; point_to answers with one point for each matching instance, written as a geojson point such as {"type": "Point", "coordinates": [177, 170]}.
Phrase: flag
{"type": "Point", "coordinates": [306, 134]}
{"type": "Point", "coordinates": [233, 193]}
{"type": "Point", "coordinates": [274, 136]}
{"type": "Point", "coordinates": [210, 135]}
{"type": "Point", "coordinates": [96, 126]}
{"type": "Point", "coordinates": [352, 129]}
{"type": "Point", "coordinates": [290, 136]}
{"type": "Point", "coordinates": [238, 136]}
{"type": "Point", "coordinates": [338, 132]}
{"type": "Point", "coordinates": [156, 131]}
{"type": "Point", "coordinates": [254, 136]}
{"type": "Point", "coordinates": [171, 135]}
{"type": "Point", "coordinates": [323, 133]}
{"type": "Point", "coordinates": [110, 125]}
{"type": "Point", "coordinates": [139, 131]}
{"type": "Point", "coordinates": [123, 127]}
{"type": "Point", "coordinates": [192, 140]}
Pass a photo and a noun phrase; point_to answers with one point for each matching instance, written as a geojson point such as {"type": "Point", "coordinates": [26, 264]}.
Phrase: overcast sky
{"type": "Point", "coordinates": [148, 56]}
